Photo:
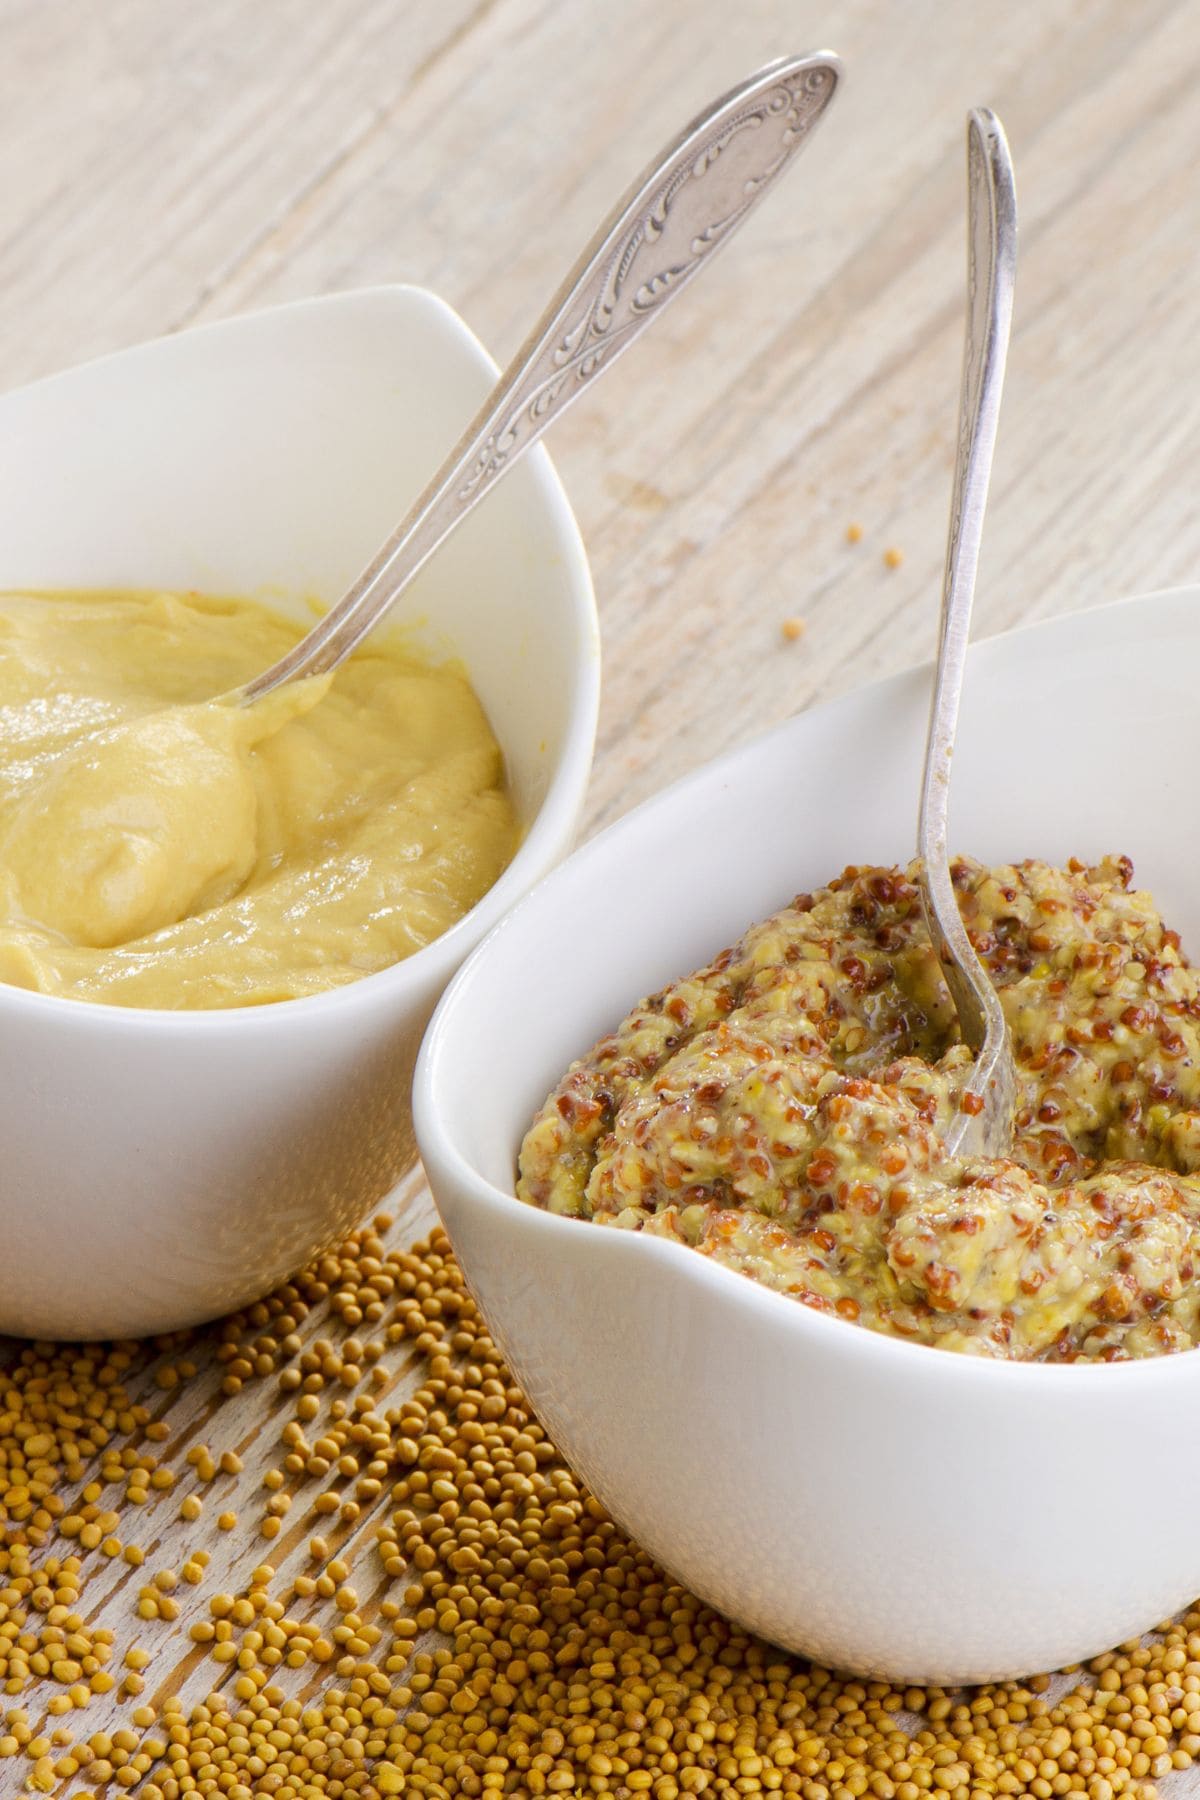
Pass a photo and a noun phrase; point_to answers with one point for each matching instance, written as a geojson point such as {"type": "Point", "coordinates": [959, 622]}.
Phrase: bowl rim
{"type": "Point", "coordinates": [440, 1150]}
{"type": "Point", "coordinates": [563, 793]}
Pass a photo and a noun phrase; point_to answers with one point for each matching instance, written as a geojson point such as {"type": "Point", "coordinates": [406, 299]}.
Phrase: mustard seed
{"type": "Point", "coordinates": [567, 1662]}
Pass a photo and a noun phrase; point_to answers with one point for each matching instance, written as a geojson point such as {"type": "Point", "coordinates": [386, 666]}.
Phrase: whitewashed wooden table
{"type": "Point", "coordinates": [163, 163]}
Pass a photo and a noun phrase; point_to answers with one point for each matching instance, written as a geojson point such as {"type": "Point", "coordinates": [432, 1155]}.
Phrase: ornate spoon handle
{"type": "Point", "coordinates": [685, 206]}
{"type": "Point", "coordinates": [985, 1124]}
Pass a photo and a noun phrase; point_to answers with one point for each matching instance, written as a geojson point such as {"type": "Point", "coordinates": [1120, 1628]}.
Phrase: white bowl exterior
{"type": "Point", "coordinates": [880, 1506]}
{"type": "Point", "coordinates": [160, 1168]}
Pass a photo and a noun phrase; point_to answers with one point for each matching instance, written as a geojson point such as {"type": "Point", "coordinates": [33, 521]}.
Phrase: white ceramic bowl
{"type": "Point", "coordinates": [158, 1168]}
{"type": "Point", "coordinates": [877, 1505]}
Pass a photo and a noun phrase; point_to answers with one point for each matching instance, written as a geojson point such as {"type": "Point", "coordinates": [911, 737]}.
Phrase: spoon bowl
{"type": "Point", "coordinates": [882, 1506]}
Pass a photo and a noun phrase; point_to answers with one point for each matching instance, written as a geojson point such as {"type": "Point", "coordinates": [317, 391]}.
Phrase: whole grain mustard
{"type": "Point", "coordinates": [783, 1111]}
{"type": "Point", "coordinates": [161, 847]}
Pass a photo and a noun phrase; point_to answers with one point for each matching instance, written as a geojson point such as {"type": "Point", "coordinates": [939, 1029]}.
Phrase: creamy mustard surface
{"type": "Point", "coordinates": [160, 847]}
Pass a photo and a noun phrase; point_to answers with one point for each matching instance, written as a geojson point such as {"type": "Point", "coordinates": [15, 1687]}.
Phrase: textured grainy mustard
{"type": "Point", "coordinates": [783, 1112]}
{"type": "Point", "coordinates": [495, 1634]}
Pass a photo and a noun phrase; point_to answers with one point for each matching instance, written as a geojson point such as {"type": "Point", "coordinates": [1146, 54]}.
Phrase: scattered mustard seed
{"type": "Point", "coordinates": [564, 1662]}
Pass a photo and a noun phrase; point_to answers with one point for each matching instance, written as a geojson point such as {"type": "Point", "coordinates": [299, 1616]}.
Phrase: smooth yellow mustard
{"type": "Point", "coordinates": [159, 847]}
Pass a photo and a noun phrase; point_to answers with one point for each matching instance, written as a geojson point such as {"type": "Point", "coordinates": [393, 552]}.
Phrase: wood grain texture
{"type": "Point", "coordinates": [166, 164]}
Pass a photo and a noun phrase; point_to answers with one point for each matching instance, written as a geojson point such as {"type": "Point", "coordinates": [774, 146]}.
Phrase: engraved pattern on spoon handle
{"type": "Point", "coordinates": [658, 238]}
{"type": "Point", "coordinates": [681, 210]}
{"type": "Point", "coordinates": [991, 260]}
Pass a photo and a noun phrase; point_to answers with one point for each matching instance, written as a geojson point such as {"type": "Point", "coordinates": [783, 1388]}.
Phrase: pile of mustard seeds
{"type": "Point", "coordinates": [426, 1601]}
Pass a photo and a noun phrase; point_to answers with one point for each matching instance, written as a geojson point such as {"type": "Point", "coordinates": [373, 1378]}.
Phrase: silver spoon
{"type": "Point", "coordinates": [983, 1126]}
{"type": "Point", "coordinates": [682, 209]}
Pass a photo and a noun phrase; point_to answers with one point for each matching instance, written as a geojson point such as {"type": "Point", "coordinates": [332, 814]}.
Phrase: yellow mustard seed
{"type": "Point", "coordinates": [566, 1663]}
